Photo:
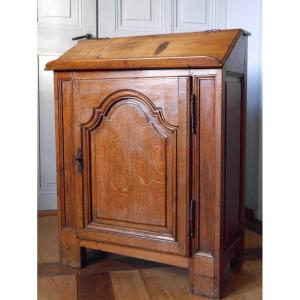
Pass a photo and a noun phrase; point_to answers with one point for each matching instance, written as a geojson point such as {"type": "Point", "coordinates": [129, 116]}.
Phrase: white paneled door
{"type": "Point", "coordinates": [60, 20]}
{"type": "Point", "coordinates": [136, 17]}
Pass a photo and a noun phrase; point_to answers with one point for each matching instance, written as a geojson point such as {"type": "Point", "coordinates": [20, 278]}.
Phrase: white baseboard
{"type": "Point", "coordinates": [47, 201]}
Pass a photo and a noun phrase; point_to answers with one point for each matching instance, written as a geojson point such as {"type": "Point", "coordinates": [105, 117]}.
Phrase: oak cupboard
{"type": "Point", "coordinates": [150, 140]}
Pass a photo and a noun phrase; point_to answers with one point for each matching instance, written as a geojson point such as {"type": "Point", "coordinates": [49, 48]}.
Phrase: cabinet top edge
{"type": "Point", "coordinates": [207, 49]}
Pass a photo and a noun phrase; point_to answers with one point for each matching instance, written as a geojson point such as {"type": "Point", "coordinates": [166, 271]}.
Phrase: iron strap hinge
{"type": "Point", "coordinates": [192, 215]}
{"type": "Point", "coordinates": [193, 113]}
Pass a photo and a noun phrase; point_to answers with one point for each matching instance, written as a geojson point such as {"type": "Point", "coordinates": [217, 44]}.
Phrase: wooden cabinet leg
{"type": "Point", "coordinates": [71, 254]}
{"type": "Point", "coordinates": [236, 263]}
{"type": "Point", "coordinates": [204, 286]}
{"type": "Point", "coordinates": [202, 277]}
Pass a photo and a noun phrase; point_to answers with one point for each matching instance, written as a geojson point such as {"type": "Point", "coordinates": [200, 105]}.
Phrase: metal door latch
{"type": "Point", "coordinates": [78, 160]}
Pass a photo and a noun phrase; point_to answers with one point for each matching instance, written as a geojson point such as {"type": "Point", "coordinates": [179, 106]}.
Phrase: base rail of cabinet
{"type": "Point", "coordinates": [165, 258]}
{"type": "Point", "coordinates": [202, 266]}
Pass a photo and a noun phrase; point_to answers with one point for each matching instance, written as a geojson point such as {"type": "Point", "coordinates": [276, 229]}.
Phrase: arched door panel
{"type": "Point", "coordinates": [129, 184]}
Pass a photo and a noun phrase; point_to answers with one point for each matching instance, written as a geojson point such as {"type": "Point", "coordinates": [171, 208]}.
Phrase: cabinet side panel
{"type": "Point", "coordinates": [233, 90]}
{"type": "Point", "coordinates": [65, 160]}
{"type": "Point", "coordinates": [237, 60]}
{"type": "Point", "coordinates": [235, 100]}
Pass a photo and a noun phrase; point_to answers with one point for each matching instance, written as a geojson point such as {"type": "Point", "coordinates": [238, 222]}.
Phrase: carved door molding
{"type": "Point", "coordinates": [151, 129]}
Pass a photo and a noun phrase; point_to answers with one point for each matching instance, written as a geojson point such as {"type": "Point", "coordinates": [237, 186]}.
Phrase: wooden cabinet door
{"type": "Point", "coordinates": [132, 133]}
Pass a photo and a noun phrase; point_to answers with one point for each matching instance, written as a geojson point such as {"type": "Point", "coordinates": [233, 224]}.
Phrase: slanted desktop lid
{"type": "Point", "coordinates": [208, 49]}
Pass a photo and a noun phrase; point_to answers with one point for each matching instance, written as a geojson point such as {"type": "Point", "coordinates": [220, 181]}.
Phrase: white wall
{"type": "Point", "coordinates": [247, 15]}
{"type": "Point", "coordinates": [58, 22]}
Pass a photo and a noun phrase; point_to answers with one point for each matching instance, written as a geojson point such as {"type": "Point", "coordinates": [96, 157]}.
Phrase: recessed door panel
{"type": "Point", "coordinates": [130, 188]}
{"type": "Point", "coordinates": [129, 156]}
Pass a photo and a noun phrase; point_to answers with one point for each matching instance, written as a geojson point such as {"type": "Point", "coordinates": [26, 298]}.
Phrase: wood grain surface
{"type": "Point", "coordinates": [176, 50]}
{"type": "Point", "coordinates": [133, 134]}
{"type": "Point", "coordinates": [151, 163]}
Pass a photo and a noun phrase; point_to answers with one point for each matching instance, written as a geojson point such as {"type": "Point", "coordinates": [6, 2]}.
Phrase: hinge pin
{"type": "Point", "coordinates": [193, 113]}
{"type": "Point", "coordinates": [192, 215]}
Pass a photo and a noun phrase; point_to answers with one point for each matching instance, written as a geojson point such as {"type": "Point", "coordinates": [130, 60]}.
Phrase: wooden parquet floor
{"type": "Point", "coordinates": [114, 277]}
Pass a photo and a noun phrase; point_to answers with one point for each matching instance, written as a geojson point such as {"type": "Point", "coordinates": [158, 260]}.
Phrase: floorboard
{"type": "Point", "coordinates": [115, 277]}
